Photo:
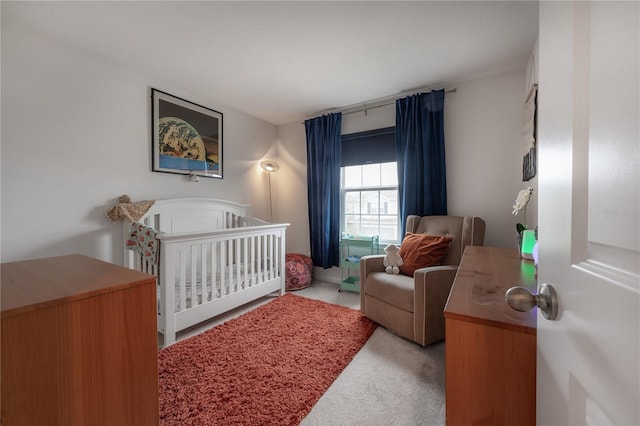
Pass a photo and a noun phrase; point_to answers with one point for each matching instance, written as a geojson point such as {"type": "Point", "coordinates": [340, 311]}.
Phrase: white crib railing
{"type": "Point", "coordinates": [203, 275]}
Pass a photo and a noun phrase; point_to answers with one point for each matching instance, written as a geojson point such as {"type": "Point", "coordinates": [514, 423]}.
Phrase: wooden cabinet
{"type": "Point", "coordinates": [490, 348]}
{"type": "Point", "coordinates": [79, 343]}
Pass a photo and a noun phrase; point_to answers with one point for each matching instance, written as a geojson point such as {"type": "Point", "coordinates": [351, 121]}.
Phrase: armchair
{"type": "Point", "coordinates": [413, 307]}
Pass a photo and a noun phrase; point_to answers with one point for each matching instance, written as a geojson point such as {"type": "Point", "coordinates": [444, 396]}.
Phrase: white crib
{"type": "Point", "coordinates": [212, 259]}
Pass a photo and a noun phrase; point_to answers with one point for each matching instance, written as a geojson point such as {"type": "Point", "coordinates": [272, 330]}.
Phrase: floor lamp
{"type": "Point", "coordinates": [269, 166]}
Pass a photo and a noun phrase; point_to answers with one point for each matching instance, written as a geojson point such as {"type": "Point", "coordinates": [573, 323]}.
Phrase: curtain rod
{"type": "Point", "coordinates": [362, 106]}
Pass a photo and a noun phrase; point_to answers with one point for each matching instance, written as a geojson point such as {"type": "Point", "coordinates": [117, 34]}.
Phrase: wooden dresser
{"type": "Point", "coordinates": [490, 348]}
{"type": "Point", "coordinates": [79, 343]}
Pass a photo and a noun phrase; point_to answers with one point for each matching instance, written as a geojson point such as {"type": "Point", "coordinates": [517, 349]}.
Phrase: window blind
{"type": "Point", "coordinates": [370, 147]}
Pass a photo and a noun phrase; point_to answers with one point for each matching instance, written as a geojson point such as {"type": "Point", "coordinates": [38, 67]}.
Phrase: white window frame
{"type": "Point", "coordinates": [360, 189]}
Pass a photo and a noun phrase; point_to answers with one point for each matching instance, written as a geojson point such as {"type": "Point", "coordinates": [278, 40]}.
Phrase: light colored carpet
{"type": "Point", "coordinates": [391, 381]}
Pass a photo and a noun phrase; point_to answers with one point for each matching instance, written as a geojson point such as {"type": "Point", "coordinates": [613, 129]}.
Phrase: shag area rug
{"type": "Point", "coordinates": [266, 367]}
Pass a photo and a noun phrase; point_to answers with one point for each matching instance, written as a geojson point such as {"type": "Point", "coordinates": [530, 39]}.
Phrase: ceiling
{"type": "Point", "coordinates": [288, 61]}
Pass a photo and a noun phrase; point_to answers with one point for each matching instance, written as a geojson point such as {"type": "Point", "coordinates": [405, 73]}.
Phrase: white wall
{"type": "Point", "coordinates": [290, 198]}
{"type": "Point", "coordinates": [483, 134]}
{"type": "Point", "coordinates": [532, 78]}
{"type": "Point", "coordinates": [76, 135]}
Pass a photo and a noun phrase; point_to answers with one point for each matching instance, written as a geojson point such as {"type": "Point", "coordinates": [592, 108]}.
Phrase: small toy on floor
{"type": "Point", "coordinates": [392, 260]}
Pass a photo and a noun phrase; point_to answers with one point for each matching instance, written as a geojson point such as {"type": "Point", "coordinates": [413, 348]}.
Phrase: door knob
{"type": "Point", "coordinates": [521, 299]}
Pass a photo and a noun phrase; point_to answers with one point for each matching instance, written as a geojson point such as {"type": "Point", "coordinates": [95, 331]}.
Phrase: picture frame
{"type": "Point", "coordinates": [529, 158]}
{"type": "Point", "coordinates": [186, 137]}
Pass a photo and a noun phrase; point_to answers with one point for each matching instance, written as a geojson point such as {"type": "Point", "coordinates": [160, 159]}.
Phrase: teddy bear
{"type": "Point", "coordinates": [392, 260]}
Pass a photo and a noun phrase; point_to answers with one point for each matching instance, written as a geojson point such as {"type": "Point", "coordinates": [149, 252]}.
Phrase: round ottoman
{"type": "Point", "coordinates": [299, 271]}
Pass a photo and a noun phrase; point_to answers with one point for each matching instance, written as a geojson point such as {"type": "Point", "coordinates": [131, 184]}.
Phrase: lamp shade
{"type": "Point", "coordinates": [269, 165]}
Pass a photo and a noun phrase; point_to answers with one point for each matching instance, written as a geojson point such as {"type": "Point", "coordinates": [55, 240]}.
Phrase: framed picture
{"type": "Point", "coordinates": [186, 137]}
{"type": "Point", "coordinates": [529, 158]}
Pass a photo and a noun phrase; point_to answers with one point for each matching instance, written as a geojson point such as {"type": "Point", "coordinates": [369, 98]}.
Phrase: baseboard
{"type": "Point", "coordinates": [328, 275]}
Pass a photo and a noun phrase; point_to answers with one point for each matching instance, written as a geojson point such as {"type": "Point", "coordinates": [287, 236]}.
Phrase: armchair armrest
{"type": "Point", "coordinates": [445, 272]}
{"type": "Point", "coordinates": [432, 288]}
{"type": "Point", "coordinates": [371, 263]}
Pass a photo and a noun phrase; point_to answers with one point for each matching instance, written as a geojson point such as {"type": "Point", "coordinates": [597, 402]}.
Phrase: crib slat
{"type": "Point", "coordinates": [182, 270]}
{"type": "Point", "coordinates": [255, 262]}
{"type": "Point", "coordinates": [265, 257]}
{"type": "Point", "coordinates": [265, 251]}
{"type": "Point", "coordinates": [245, 265]}
{"type": "Point", "coordinates": [192, 282]}
{"type": "Point", "coordinates": [274, 261]}
{"type": "Point", "coordinates": [221, 267]}
{"type": "Point", "coordinates": [201, 292]}
{"type": "Point", "coordinates": [269, 257]}
{"type": "Point", "coordinates": [226, 282]}
{"type": "Point", "coordinates": [238, 264]}
{"type": "Point", "coordinates": [229, 266]}
{"type": "Point", "coordinates": [203, 273]}
{"type": "Point", "coordinates": [276, 256]}
{"type": "Point", "coordinates": [259, 259]}
{"type": "Point", "coordinates": [273, 257]}
{"type": "Point", "coordinates": [250, 265]}
{"type": "Point", "coordinates": [214, 272]}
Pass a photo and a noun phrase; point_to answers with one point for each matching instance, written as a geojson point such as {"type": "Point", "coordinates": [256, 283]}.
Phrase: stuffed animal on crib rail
{"type": "Point", "coordinates": [392, 259]}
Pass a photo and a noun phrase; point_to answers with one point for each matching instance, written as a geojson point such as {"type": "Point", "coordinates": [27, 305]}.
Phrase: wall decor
{"type": "Point", "coordinates": [529, 157]}
{"type": "Point", "coordinates": [186, 137]}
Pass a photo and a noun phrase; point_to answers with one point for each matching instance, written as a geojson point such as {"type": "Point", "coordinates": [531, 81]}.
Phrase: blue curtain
{"type": "Point", "coordinates": [422, 183]}
{"type": "Point", "coordinates": [323, 188]}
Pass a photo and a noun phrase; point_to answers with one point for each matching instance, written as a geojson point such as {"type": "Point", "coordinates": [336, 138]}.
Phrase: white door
{"type": "Point", "coordinates": [589, 212]}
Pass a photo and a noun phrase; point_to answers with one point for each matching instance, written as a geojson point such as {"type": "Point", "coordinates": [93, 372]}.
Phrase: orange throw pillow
{"type": "Point", "coordinates": [422, 250]}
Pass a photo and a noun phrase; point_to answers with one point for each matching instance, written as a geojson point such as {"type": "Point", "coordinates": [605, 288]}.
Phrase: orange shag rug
{"type": "Point", "coordinates": [266, 367]}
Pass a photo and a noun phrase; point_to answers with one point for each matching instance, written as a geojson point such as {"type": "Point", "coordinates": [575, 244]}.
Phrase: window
{"type": "Point", "coordinates": [370, 200]}
{"type": "Point", "coordinates": [369, 184]}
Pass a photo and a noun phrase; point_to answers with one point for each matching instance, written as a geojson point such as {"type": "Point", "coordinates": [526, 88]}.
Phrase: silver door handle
{"type": "Point", "coordinates": [521, 299]}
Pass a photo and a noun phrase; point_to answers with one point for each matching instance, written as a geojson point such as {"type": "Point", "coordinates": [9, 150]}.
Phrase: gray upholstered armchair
{"type": "Point", "coordinates": [413, 307]}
